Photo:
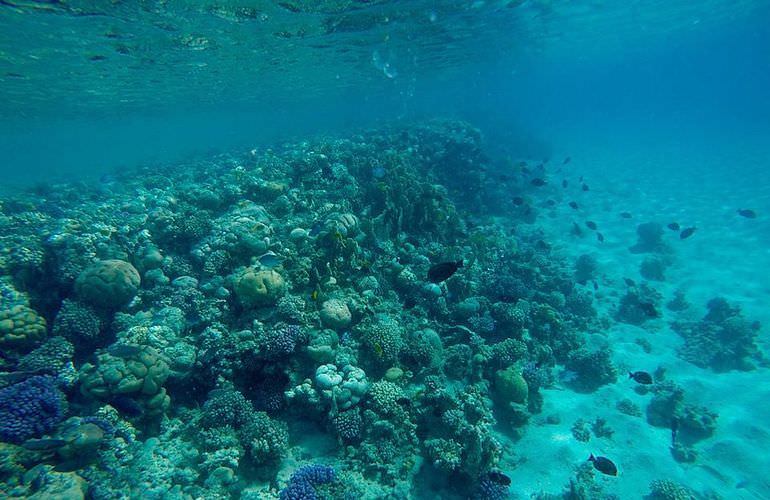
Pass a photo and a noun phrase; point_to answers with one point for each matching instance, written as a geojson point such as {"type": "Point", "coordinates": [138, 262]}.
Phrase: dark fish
{"type": "Point", "coordinates": [538, 182]}
{"type": "Point", "coordinates": [674, 226]}
{"type": "Point", "coordinates": [564, 183]}
{"type": "Point", "coordinates": [518, 200]}
{"type": "Point", "coordinates": [550, 202]}
{"type": "Point", "coordinates": [124, 350]}
{"type": "Point", "coordinates": [600, 237]}
{"type": "Point", "coordinates": [270, 260]}
{"type": "Point", "coordinates": [591, 225]}
{"type": "Point", "coordinates": [629, 282]}
{"type": "Point", "coordinates": [674, 430]}
{"type": "Point", "coordinates": [648, 308]}
{"type": "Point", "coordinates": [626, 215]}
{"type": "Point", "coordinates": [581, 179]}
{"type": "Point", "coordinates": [573, 205]}
{"type": "Point", "coordinates": [596, 286]}
{"type": "Point", "coordinates": [749, 214]}
{"type": "Point", "coordinates": [542, 245]}
{"type": "Point", "coordinates": [499, 478]}
{"type": "Point", "coordinates": [316, 228]}
{"type": "Point", "coordinates": [584, 187]}
{"type": "Point", "coordinates": [604, 465]}
{"type": "Point", "coordinates": [127, 406]}
{"type": "Point", "coordinates": [576, 229]}
{"type": "Point", "coordinates": [43, 444]}
{"type": "Point", "coordinates": [440, 272]}
{"type": "Point", "coordinates": [404, 401]}
{"type": "Point", "coordinates": [643, 378]}
{"type": "Point", "coordinates": [687, 232]}
{"type": "Point", "coordinates": [566, 160]}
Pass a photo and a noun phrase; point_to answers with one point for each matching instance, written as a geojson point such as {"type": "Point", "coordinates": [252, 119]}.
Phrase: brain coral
{"type": "Point", "coordinates": [20, 326]}
{"type": "Point", "coordinates": [126, 370]}
{"type": "Point", "coordinates": [256, 288]}
{"type": "Point", "coordinates": [109, 284]}
{"type": "Point", "coordinates": [335, 314]}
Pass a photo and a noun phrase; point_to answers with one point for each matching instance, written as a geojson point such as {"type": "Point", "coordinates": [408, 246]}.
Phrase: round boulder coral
{"type": "Point", "coordinates": [335, 314]}
{"type": "Point", "coordinates": [510, 386]}
{"type": "Point", "coordinates": [109, 284]}
{"type": "Point", "coordinates": [20, 326]}
{"type": "Point", "coordinates": [128, 371]}
{"type": "Point", "coordinates": [256, 288]}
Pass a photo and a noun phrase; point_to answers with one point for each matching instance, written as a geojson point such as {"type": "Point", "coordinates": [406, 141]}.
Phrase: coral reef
{"type": "Point", "coordinates": [218, 325]}
{"type": "Point", "coordinates": [723, 340]}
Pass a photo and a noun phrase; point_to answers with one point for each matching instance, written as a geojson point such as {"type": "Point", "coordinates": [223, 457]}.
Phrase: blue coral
{"type": "Point", "coordinates": [280, 341]}
{"type": "Point", "coordinates": [304, 480]}
{"type": "Point", "coordinates": [30, 409]}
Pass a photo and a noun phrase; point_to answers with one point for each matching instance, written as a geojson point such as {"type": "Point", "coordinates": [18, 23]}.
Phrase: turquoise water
{"type": "Point", "coordinates": [372, 249]}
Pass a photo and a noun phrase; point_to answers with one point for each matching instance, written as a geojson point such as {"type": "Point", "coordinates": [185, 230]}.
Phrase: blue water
{"type": "Point", "coordinates": [661, 107]}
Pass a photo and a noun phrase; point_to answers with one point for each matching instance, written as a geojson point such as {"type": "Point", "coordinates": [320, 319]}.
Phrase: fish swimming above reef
{"type": "Point", "coordinates": [641, 377]}
{"type": "Point", "coordinates": [686, 233]}
{"type": "Point", "coordinates": [591, 225]}
{"type": "Point", "coordinates": [576, 229]}
{"type": "Point", "coordinates": [443, 271]}
{"type": "Point", "coordinates": [625, 215]}
{"type": "Point", "coordinates": [674, 226]}
{"type": "Point", "coordinates": [585, 187]}
{"type": "Point", "coordinates": [270, 260]}
{"type": "Point", "coordinates": [604, 465]}
{"type": "Point", "coordinates": [648, 308]}
{"type": "Point", "coordinates": [748, 213]}
{"type": "Point", "coordinates": [538, 182]}
{"type": "Point", "coordinates": [564, 183]}
{"type": "Point", "coordinates": [517, 200]}
{"type": "Point", "coordinates": [566, 160]}
{"type": "Point", "coordinates": [573, 205]}
{"type": "Point", "coordinates": [499, 478]}
{"type": "Point", "coordinates": [600, 237]}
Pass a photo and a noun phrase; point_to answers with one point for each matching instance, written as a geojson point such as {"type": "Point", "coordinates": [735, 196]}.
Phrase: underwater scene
{"type": "Point", "coordinates": [371, 249]}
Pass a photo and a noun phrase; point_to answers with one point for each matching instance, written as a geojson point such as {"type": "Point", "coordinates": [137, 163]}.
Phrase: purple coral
{"type": "Point", "coordinates": [304, 480]}
{"type": "Point", "coordinates": [281, 340]}
{"type": "Point", "coordinates": [30, 409]}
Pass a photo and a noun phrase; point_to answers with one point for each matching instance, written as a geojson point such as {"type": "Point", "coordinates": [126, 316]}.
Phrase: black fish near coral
{"type": "Point", "coordinates": [674, 226]}
{"type": "Point", "coordinates": [573, 205]}
{"type": "Point", "coordinates": [749, 214]}
{"type": "Point", "coordinates": [604, 465]}
{"type": "Point", "coordinates": [625, 215]}
{"type": "Point", "coordinates": [499, 478]}
{"type": "Point", "coordinates": [600, 237]}
{"type": "Point", "coordinates": [641, 377]}
{"type": "Point", "coordinates": [591, 225]}
{"type": "Point", "coordinates": [687, 233]}
{"type": "Point", "coordinates": [648, 308]}
{"type": "Point", "coordinates": [443, 271]}
{"type": "Point", "coordinates": [538, 182]}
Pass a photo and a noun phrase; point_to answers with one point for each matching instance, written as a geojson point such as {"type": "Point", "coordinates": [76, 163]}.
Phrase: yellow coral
{"type": "Point", "coordinates": [136, 371]}
{"type": "Point", "coordinates": [256, 288]}
{"type": "Point", "coordinates": [20, 326]}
